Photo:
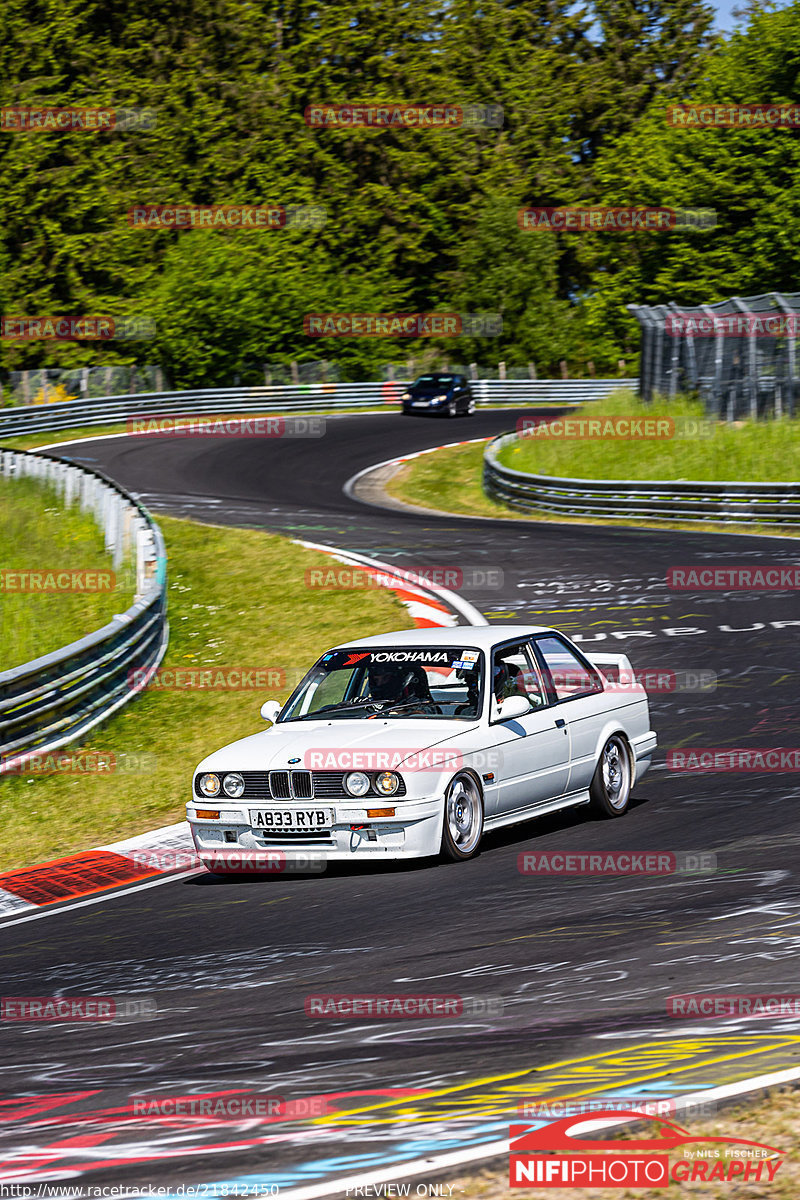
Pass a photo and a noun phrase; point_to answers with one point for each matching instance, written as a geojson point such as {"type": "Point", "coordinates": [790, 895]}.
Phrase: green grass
{"type": "Point", "coordinates": [448, 480]}
{"type": "Point", "coordinates": [38, 533]}
{"type": "Point", "coordinates": [237, 599]}
{"type": "Point", "coordinates": [765, 450]}
{"type": "Point", "coordinates": [451, 481]}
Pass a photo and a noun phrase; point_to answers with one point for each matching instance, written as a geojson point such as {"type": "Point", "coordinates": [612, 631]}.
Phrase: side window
{"type": "Point", "coordinates": [570, 677]}
{"type": "Point", "coordinates": [514, 673]}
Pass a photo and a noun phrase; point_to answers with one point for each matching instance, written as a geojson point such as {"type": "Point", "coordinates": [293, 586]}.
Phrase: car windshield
{"type": "Point", "coordinates": [429, 682]}
{"type": "Point", "coordinates": [425, 381]}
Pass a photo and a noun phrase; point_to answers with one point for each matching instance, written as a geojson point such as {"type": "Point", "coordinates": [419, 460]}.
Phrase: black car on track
{"type": "Point", "coordinates": [448, 395]}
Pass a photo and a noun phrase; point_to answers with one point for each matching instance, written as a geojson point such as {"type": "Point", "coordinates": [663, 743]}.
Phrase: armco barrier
{"type": "Point", "coordinates": [57, 698]}
{"type": "Point", "coordinates": [651, 500]}
{"type": "Point", "coordinates": [307, 397]}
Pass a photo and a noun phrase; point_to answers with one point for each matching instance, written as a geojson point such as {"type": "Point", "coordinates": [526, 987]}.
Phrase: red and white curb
{"type": "Point", "coordinates": [429, 605]}
{"type": "Point", "coordinates": [104, 868]}
{"type": "Point", "coordinates": [98, 870]}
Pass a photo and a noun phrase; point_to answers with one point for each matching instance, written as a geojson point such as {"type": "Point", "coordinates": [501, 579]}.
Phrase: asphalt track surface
{"type": "Point", "coordinates": [582, 965]}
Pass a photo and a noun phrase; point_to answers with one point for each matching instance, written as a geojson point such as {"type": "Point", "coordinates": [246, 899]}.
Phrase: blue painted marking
{"type": "Point", "coordinates": [258, 1184]}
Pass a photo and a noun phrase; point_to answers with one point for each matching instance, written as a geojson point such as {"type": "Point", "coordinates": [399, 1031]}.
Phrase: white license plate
{"type": "Point", "coordinates": [420, 403]}
{"type": "Point", "coordinates": [295, 820]}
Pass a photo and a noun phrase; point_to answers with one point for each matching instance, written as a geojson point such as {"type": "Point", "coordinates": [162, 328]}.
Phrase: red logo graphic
{"type": "Point", "coordinates": [635, 1163]}
{"type": "Point", "coordinates": [354, 658]}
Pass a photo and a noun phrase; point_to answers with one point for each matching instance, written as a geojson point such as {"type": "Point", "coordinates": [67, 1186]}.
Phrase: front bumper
{"type": "Point", "coordinates": [414, 832]}
{"type": "Point", "coordinates": [424, 406]}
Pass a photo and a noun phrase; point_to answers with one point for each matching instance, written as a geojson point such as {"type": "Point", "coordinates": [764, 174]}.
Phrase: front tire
{"type": "Point", "coordinates": [452, 408]}
{"type": "Point", "coordinates": [462, 828]}
{"type": "Point", "coordinates": [610, 789]}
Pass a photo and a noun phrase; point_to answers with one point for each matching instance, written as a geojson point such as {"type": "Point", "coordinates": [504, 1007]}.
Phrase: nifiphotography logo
{"type": "Point", "coordinates": [548, 1156]}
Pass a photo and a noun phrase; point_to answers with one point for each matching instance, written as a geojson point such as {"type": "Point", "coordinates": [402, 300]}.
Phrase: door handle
{"type": "Point", "coordinates": [560, 723]}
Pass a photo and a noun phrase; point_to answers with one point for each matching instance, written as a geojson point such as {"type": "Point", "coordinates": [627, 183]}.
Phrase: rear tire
{"type": "Point", "coordinates": [462, 828]}
{"type": "Point", "coordinates": [610, 789]}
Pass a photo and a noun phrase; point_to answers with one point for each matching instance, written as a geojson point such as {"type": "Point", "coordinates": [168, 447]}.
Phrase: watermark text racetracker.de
{"type": "Point", "coordinates": [77, 1009]}
{"type": "Point", "coordinates": [626, 429]}
{"type": "Point", "coordinates": [780, 759]}
{"type": "Point", "coordinates": [403, 116]}
{"type": "Point", "coordinates": [48, 119]}
{"type": "Point", "coordinates": [227, 216]}
{"type": "Point", "coordinates": [733, 116]}
{"type": "Point", "coordinates": [204, 679]}
{"type": "Point", "coordinates": [769, 324]}
{"type": "Point", "coordinates": [548, 1108]}
{"type": "Point", "coordinates": [227, 1109]}
{"type": "Point", "coordinates": [719, 1005]}
{"type": "Point", "coordinates": [450, 576]}
{"type": "Point", "coordinates": [220, 425]}
{"type": "Point", "coordinates": [60, 328]}
{"type": "Point", "coordinates": [605, 219]}
{"type": "Point", "coordinates": [401, 758]}
{"type": "Point", "coordinates": [233, 861]}
{"type": "Point", "coordinates": [79, 762]}
{"type": "Point", "coordinates": [725, 578]}
{"type": "Point", "coordinates": [401, 1006]}
{"type": "Point", "coordinates": [617, 862]}
{"type": "Point", "coordinates": [652, 679]}
{"type": "Point", "coordinates": [55, 580]}
{"type": "Point", "coordinates": [404, 325]}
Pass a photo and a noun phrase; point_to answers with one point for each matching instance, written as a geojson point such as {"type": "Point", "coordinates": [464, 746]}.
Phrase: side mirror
{"type": "Point", "coordinates": [270, 710]}
{"type": "Point", "coordinates": [514, 706]}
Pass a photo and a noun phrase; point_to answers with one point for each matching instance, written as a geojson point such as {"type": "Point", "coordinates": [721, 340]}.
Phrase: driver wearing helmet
{"type": "Point", "coordinates": [506, 681]}
{"type": "Point", "coordinates": [393, 684]}
{"type": "Point", "coordinates": [385, 681]}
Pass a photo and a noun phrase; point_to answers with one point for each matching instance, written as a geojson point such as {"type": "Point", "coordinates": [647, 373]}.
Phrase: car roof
{"type": "Point", "coordinates": [483, 637]}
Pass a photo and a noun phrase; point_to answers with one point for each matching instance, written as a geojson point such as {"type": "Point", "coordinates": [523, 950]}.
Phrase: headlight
{"type": "Point", "coordinates": [209, 785]}
{"type": "Point", "coordinates": [438, 399]}
{"type": "Point", "coordinates": [357, 783]}
{"type": "Point", "coordinates": [233, 784]}
{"type": "Point", "coordinates": [406, 396]}
{"type": "Point", "coordinates": [387, 783]}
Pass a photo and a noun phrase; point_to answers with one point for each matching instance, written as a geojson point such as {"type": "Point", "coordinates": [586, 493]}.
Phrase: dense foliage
{"type": "Point", "coordinates": [418, 219]}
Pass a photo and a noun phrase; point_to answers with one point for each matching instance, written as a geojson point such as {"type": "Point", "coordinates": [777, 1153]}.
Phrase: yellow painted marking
{"type": "Point", "coordinates": [615, 1066]}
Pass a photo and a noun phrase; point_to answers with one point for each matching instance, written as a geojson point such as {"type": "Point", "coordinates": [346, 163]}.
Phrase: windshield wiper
{"type": "Point", "coordinates": [327, 708]}
{"type": "Point", "coordinates": [410, 704]}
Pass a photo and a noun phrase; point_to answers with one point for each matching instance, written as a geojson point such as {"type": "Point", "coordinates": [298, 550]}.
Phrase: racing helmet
{"type": "Point", "coordinates": [386, 680]}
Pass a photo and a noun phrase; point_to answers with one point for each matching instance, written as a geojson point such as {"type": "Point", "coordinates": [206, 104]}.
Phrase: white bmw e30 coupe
{"type": "Point", "coordinates": [413, 743]}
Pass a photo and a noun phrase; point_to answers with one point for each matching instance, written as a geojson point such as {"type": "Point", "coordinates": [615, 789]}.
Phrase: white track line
{"type": "Point", "coordinates": [457, 602]}
{"type": "Point", "coordinates": [233, 416]}
{"type": "Point", "coordinates": [473, 1154]}
{"type": "Point", "coordinates": [53, 911]}
{"type": "Point", "coordinates": [349, 486]}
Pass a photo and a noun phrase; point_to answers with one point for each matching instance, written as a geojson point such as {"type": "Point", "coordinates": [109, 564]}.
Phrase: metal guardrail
{"type": "Point", "coordinates": [56, 699]}
{"type": "Point", "coordinates": [651, 500]}
{"type": "Point", "coordinates": [293, 398]}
